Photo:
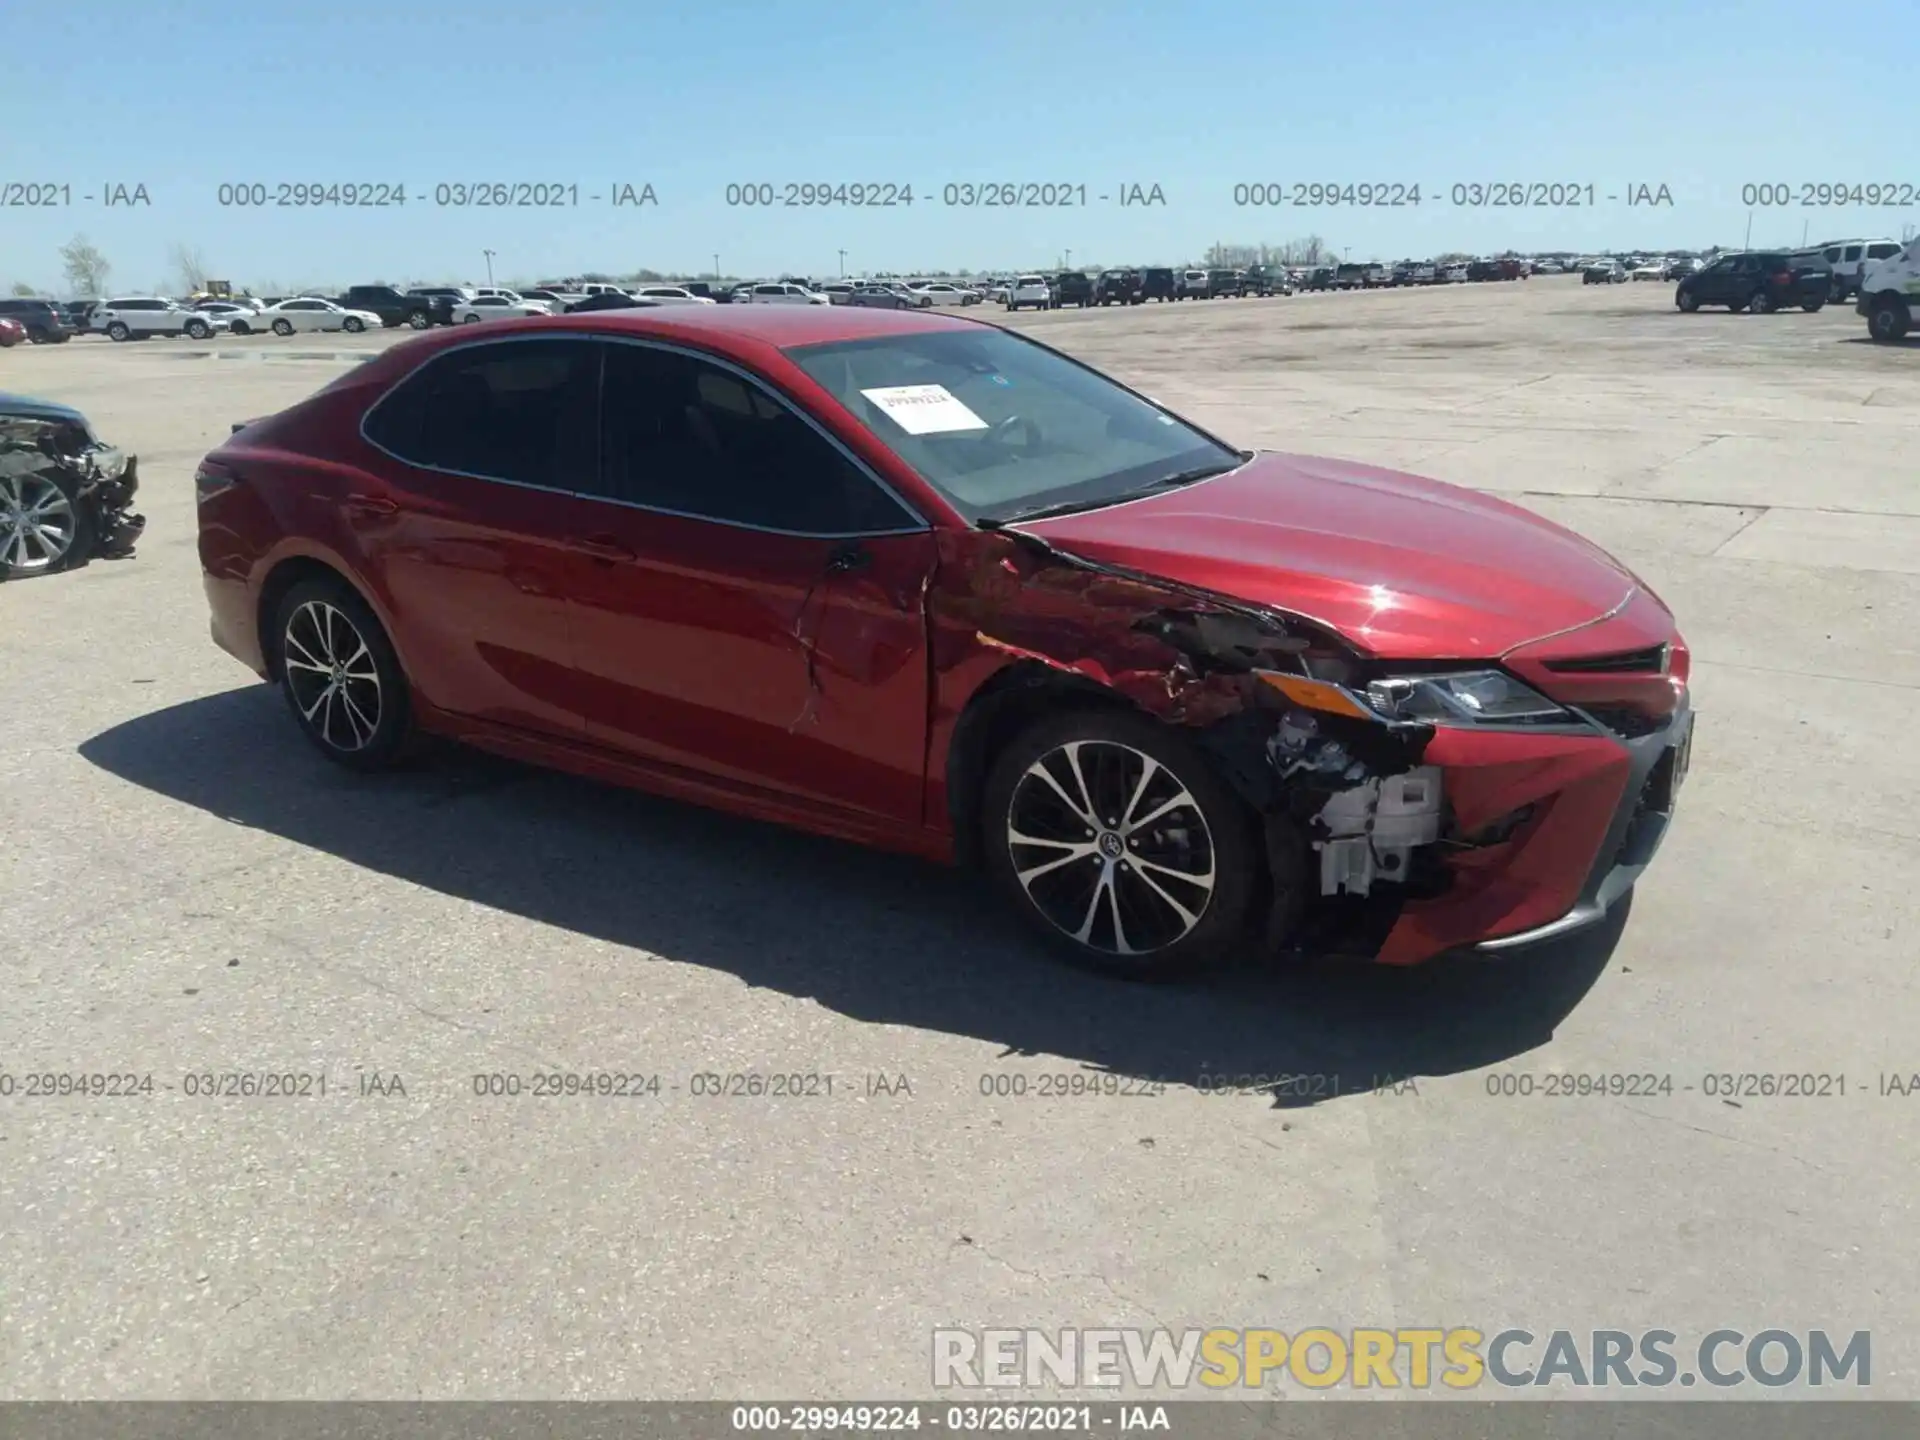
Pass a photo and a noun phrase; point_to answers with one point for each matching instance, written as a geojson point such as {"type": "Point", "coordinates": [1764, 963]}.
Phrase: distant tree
{"type": "Point", "coordinates": [189, 268]}
{"type": "Point", "coordinates": [23, 291]}
{"type": "Point", "coordinates": [86, 268]}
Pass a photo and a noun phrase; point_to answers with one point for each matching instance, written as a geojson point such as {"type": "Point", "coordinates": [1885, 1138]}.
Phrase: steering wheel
{"type": "Point", "coordinates": [1027, 430]}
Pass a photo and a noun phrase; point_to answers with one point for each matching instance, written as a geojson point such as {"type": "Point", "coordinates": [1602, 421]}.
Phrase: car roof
{"type": "Point", "coordinates": [743, 332]}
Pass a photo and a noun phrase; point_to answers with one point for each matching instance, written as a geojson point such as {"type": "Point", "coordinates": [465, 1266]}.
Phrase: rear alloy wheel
{"type": "Point", "coordinates": [40, 526]}
{"type": "Point", "coordinates": [1761, 303]}
{"type": "Point", "coordinates": [340, 676]}
{"type": "Point", "coordinates": [418, 321]}
{"type": "Point", "coordinates": [1116, 839]}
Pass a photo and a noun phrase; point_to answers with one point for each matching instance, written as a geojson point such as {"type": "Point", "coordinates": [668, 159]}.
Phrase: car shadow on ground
{"type": "Point", "coordinates": [879, 938]}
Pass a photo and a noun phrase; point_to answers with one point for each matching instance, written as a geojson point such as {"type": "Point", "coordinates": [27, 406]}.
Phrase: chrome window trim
{"type": "Point", "coordinates": [922, 527]}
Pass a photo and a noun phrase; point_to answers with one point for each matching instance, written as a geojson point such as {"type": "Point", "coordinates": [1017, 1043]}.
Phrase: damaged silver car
{"type": "Point", "coordinates": [66, 496]}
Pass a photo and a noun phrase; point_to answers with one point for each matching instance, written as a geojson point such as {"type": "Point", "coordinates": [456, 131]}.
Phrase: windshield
{"type": "Point", "coordinates": [1002, 426]}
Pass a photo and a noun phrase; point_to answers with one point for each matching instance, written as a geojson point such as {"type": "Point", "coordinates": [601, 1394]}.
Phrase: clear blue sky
{"type": "Point", "coordinates": [1195, 98]}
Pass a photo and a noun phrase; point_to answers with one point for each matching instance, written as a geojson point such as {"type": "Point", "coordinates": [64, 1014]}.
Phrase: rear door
{"type": "Point", "coordinates": [755, 612]}
{"type": "Point", "coordinates": [474, 537]}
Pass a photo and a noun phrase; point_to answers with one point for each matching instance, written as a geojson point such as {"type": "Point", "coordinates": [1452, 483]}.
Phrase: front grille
{"type": "Point", "coordinates": [1650, 661]}
{"type": "Point", "coordinates": [1626, 723]}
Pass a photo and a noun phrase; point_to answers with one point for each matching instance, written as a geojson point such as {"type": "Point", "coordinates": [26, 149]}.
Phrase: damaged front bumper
{"type": "Point", "coordinates": [1595, 810]}
{"type": "Point", "coordinates": [1657, 765]}
{"type": "Point", "coordinates": [113, 478]}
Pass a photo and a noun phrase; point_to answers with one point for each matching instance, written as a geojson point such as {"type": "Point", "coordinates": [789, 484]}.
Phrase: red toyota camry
{"type": "Point", "coordinates": [921, 582]}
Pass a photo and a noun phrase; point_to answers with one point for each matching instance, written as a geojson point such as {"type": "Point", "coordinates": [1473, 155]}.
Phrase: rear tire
{"type": "Point", "coordinates": [1139, 901]}
{"type": "Point", "coordinates": [340, 676]}
{"type": "Point", "coordinates": [1760, 303]}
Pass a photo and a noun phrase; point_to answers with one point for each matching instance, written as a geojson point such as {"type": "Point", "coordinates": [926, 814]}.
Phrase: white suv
{"type": "Point", "coordinates": [1849, 260]}
{"type": "Point", "coordinates": [1194, 285]}
{"type": "Point", "coordinates": [785, 292]}
{"type": "Point", "coordinates": [1030, 290]}
{"type": "Point", "coordinates": [138, 316]}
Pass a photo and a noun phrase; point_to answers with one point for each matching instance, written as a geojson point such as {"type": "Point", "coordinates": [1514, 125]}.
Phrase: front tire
{"type": "Point", "coordinates": [1888, 321]}
{"type": "Point", "coordinates": [197, 330]}
{"type": "Point", "coordinates": [354, 325]}
{"type": "Point", "coordinates": [118, 331]}
{"type": "Point", "coordinates": [418, 321]}
{"type": "Point", "coordinates": [1760, 303]}
{"type": "Point", "coordinates": [44, 528]}
{"type": "Point", "coordinates": [1687, 301]}
{"type": "Point", "coordinates": [340, 676]}
{"type": "Point", "coordinates": [283, 328]}
{"type": "Point", "coordinates": [1116, 839]}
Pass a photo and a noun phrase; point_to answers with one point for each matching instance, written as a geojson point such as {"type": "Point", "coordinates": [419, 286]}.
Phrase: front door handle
{"type": "Point", "coordinates": [605, 547]}
{"type": "Point", "coordinates": [371, 504]}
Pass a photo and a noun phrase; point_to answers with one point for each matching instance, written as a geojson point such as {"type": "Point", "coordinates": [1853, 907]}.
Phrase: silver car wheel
{"type": "Point", "coordinates": [333, 676]}
{"type": "Point", "coordinates": [1111, 847]}
{"type": "Point", "coordinates": [37, 526]}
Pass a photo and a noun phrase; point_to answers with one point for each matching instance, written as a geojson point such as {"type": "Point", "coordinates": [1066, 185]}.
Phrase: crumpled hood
{"type": "Point", "coordinates": [1402, 566]}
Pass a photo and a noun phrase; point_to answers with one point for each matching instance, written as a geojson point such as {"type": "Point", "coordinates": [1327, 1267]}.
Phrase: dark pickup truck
{"type": "Point", "coordinates": [1265, 280]}
{"type": "Point", "coordinates": [1118, 287]}
{"type": "Point", "coordinates": [1757, 281]}
{"type": "Point", "coordinates": [1071, 287]}
{"type": "Point", "coordinates": [389, 304]}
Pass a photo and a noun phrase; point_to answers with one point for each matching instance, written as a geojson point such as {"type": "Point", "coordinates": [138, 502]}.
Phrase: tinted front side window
{"type": "Point", "coordinates": [1881, 252]}
{"type": "Point", "coordinates": [519, 411]}
{"type": "Point", "coordinates": [682, 434]}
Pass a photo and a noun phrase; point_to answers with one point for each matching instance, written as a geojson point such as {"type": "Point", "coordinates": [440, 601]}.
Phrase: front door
{"type": "Point", "coordinates": [755, 609]}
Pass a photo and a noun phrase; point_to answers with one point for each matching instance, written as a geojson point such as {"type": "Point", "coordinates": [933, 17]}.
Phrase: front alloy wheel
{"type": "Point", "coordinates": [38, 526]}
{"type": "Point", "coordinates": [1121, 844]}
{"type": "Point", "coordinates": [340, 676]}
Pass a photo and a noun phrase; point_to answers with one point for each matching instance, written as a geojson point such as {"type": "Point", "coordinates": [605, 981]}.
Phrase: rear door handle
{"type": "Point", "coordinates": [371, 504]}
{"type": "Point", "coordinates": [605, 547]}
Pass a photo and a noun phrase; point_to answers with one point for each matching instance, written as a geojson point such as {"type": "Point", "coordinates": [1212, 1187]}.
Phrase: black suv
{"type": "Point", "coordinates": [1266, 280]}
{"type": "Point", "coordinates": [389, 304]}
{"type": "Point", "coordinates": [1757, 281]}
{"type": "Point", "coordinates": [1071, 287]}
{"type": "Point", "coordinates": [1158, 284]}
{"type": "Point", "coordinates": [439, 300]}
{"type": "Point", "coordinates": [46, 323]}
{"type": "Point", "coordinates": [1119, 287]}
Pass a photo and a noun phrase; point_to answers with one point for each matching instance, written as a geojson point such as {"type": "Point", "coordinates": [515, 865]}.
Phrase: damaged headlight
{"type": "Point", "coordinates": [1465, 697]}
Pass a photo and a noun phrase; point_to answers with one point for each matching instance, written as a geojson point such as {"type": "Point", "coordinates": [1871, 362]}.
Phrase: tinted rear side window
{"type": "Point", "coordinates": [518, 410]}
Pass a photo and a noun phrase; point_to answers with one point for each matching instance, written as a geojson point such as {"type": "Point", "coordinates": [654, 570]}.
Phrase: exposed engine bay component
{"type": "Point", "coordinates": [1372, 830]}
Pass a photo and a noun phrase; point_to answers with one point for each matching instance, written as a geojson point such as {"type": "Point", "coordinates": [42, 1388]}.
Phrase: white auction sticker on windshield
{"type": "Point", "coordinates": [924, 409]}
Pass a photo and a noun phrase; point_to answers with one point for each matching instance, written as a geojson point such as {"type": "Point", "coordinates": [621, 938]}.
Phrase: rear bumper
{"type": "Point", "coordinates": [1601, 807]}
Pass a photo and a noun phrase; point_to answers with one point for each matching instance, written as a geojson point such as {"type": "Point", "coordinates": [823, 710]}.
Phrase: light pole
{"type": "Point", "coordinates": [843, 264]}
{"type": "Point", "coordinates": [1748, 245]}
{"type": "Point", "coordinates": [716, 264]}
{"type": "Point", "coordinates": [1069, 259]}
{"type": "Point", "coordinates": [489, 255]}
